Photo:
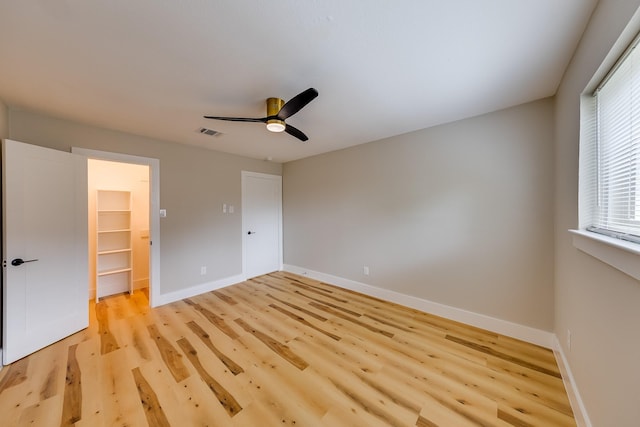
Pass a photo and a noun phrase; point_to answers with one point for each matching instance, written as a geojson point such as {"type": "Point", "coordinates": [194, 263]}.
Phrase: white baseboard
{"type": "Point", "coordinates": [197, 290]}
{"type": "Point", "coordinates": [118, 290]}
{"type": "Point", "coordinates": [141, 283]}
{"type": "Point", "coordinates": [579, 410]}
{"type": "Point", "coordinates": [514, 330]}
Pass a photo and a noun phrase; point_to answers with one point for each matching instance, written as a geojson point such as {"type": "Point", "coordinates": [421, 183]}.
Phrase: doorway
{"type": "Point", "coordinates": [261, 223]}
{"type": "Point", "coordinates": [118, 196]}
{"type": "Point", "coordinates": [149, 236]}
{"type": "Point", "coordinates": [45, 284]}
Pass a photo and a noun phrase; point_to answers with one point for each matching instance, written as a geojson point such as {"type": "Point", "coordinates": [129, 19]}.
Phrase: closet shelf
{"type": "Point", "coordinates": [114, 271]}
{"type": "Point", "coordinates": [114, 254]}
{"type": "Point", "coordinates": [114, 251]}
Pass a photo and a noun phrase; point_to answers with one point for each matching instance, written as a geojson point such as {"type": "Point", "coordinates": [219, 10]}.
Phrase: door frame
{"type": "Point", "coordinates": [154, 209]}
{"type": "Point", "coordinates": [278, 179]}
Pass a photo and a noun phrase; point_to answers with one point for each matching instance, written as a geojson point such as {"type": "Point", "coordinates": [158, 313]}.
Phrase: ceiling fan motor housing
{"type": "Point", "coordinates": [274, 105]}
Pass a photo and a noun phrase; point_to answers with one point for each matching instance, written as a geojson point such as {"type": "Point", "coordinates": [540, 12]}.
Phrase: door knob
{"type": "Point", "coordinates": [19, 261]}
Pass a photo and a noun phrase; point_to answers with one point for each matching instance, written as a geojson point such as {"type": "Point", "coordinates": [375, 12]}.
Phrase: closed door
{"type": "Point", "coordinates": [261, 223]}
{"type": "Point", "coordinates": [45, 270]}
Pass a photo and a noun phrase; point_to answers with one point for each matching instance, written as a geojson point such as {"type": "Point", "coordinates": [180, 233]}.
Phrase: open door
{"type": "Point", "coordinates": [45, 272]}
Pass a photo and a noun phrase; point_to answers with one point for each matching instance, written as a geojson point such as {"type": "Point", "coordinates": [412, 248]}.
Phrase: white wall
{"type": "Point", "coordinates": [194, 183]}
{"type": "Point", "coordinates": [460, 214]}
{"type": "Point", "coordinates": [599, 304]}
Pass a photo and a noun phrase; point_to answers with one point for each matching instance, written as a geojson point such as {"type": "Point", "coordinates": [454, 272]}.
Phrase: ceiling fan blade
{"type": "Point", "coordinates": [296, 103]}
{"type": "Point", "coordinates": [295, 132]}
{"type": "Point", "coordinates": [238, 119]}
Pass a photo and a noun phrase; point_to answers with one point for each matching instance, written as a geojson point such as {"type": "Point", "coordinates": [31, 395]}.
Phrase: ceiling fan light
{"type": "Point", "coordinates": [275, 125]}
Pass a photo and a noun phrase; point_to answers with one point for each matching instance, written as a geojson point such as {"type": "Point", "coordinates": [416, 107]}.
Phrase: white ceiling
{"type": "Point", "coordinates": [382, 67]}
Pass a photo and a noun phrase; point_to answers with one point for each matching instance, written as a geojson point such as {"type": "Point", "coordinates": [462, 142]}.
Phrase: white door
{"type": "Point", "coordinates": [45, 273]}
{"type": "Point", "coordinates": [261, 223]}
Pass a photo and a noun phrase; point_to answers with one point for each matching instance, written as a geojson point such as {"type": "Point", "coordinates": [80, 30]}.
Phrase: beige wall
{"type": "Point", "coordinates": [4, 120]}
{"type": "Point", "coordinates": [459, 214]}
{"type": "Point", "coordinates": [599, 304]}
{"type": "Point", "coordinates": [194, 183]}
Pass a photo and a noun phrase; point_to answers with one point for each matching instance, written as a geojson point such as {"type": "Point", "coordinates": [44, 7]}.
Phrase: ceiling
{"type": "Point", "coordinates": [382, 67]}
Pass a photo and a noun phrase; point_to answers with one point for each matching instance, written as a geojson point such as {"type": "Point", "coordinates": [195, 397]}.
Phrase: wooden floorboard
{"type": "Point", "coordinates": [282, 350]}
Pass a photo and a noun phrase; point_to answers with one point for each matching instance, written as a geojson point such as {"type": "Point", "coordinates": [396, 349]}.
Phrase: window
{"type": "Point", "coordinates": [610, 153]}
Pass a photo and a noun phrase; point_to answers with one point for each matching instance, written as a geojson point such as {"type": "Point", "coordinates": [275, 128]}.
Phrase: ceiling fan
{"type": "Point", "coordinates": [277, 112]}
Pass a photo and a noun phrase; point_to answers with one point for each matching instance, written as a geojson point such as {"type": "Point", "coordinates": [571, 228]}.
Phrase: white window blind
{"type": "Point", "coordinates": [614, 158]}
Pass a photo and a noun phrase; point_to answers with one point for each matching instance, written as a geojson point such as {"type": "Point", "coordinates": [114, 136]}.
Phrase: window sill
{"type": "Point", "coordinates": [625, 256]}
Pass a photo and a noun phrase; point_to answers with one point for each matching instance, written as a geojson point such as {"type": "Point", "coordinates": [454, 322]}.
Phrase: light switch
{"type": "Point", "coordinates": [163, 213]}
{"type": "Point", "coordinates": [231, 209]}
{"type": "Point", "coordinates": [224, 208]}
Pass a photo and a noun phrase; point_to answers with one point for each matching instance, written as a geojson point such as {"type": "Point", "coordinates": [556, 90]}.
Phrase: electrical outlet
{"type": "Point", "coordinates": [203, 270]}
{"type": "Point", "coordinates": [365, 270]}
{"type": "Point", "coordinates": [569, 339]}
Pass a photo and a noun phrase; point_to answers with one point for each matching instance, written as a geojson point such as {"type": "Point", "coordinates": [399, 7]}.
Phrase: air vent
{"type": "Point", "coordinates": [209, 132]}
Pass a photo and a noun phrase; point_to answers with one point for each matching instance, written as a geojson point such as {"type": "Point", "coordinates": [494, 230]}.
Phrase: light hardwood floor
{"type": "Point", "coordinates": [281, 350]}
